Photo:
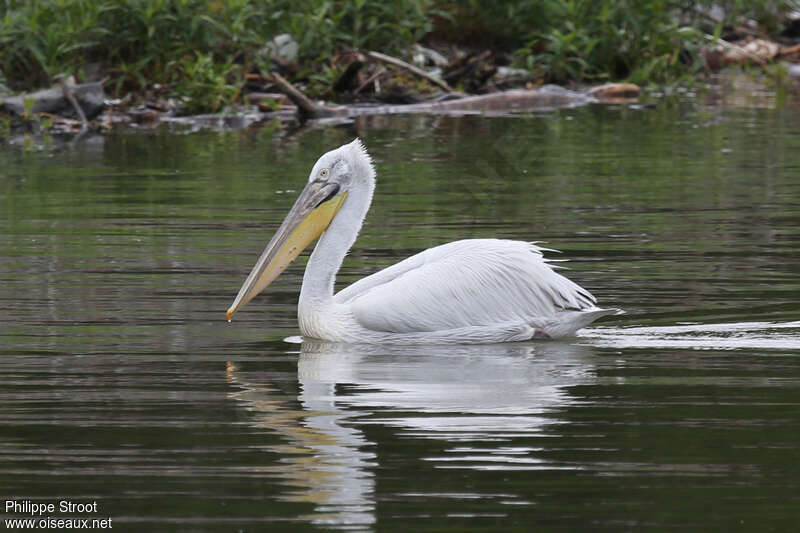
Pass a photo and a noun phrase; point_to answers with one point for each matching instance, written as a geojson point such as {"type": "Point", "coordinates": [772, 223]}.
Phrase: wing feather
{"type": "Point", "coordinates": [464, 283]}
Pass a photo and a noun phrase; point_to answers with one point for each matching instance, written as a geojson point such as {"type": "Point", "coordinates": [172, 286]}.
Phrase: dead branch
{"type": "Point", "coordinates": [789, 51]}
{"type": "Point", "coordinates": [65, 88]}
{"type": "Point", "coordinates": [303, 102]}
{"type": "Point", "coordinates": [411, 68]}
{"type": "Point", "coordinates": [295, 95]}
{"type": "Point", "coordinates": [369, 80]}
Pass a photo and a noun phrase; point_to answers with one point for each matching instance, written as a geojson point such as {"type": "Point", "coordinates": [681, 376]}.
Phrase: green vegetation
{"type": "Point", "coordinates": [643, 41]}
{"type": "Point", "coordinates": [202, 49]}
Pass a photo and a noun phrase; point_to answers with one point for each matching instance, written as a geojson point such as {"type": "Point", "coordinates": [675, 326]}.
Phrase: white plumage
{"type": "Point", "coordinates": [469, 291]}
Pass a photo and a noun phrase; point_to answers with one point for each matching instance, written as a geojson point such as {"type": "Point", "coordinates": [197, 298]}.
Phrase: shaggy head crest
{"type": "Point", "coordinates": [361, 155]}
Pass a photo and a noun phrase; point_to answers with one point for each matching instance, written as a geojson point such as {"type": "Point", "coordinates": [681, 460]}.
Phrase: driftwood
{"type": "Point", "coordinates": [380, 72]}
{"type": "Point", "coordinates": [503, 102]}
{"type": "Point", "coordinates": [89, 96]}
{"type": "Point", "coordinates": [304, 104]}
{"type": "Point", "coordinates": [789, 50]}
{"type": "Point", "coordinates": [616, 92]}
{"type": "Point", "coordinates": [546, 97]}
{"type": "Point", "coordinates": [411, 68]}
{"type": "Point", "coordinates": [67, 90]}
{"type": "Point", "coordinates": [499, 103]}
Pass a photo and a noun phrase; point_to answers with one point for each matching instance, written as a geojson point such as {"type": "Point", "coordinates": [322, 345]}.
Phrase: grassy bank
{"type": "Point", "coordinates": [202, 50]}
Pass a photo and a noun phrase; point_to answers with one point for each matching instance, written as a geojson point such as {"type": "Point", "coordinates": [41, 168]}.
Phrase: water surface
{"type": "Point", "coordinates": [123, 383]}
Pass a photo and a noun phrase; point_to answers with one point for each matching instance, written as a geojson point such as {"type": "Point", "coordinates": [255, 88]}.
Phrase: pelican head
{"type": "Point", "coordinates": [333, 177]}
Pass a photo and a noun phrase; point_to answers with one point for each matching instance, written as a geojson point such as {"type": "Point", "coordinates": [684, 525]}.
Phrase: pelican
{"type": "Point", "coordinates": [467, 292]}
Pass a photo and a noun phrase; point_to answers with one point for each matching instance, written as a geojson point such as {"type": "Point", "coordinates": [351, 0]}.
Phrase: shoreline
{"type": "Point", "coordinates": [748, 89]}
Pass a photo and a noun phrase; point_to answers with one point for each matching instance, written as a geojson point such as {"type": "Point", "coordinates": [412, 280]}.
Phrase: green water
{"type": "Point", "coordinates": [122, 383]}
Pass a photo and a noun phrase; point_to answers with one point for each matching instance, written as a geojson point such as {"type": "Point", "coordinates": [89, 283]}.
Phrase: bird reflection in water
{"type": "Point", "coordinates": [484, 400]}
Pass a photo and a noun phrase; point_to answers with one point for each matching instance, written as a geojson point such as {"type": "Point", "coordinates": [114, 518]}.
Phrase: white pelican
{"type": "Point", "coordinates": [469, 291]}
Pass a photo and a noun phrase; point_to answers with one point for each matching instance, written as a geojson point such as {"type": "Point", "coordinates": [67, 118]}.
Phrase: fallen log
{"type": "Point", "coordinates": [616, 92]}
{"type": "Point", "coordinates": [89, 97]}
{"type": "Point", "coordinates": [305, 105]}
{"type": "Point", "coordinates": [546, 97]}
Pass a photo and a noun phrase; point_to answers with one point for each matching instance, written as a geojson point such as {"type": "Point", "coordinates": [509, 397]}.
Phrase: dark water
{"type": "Point", "coordinates": [122, 383]}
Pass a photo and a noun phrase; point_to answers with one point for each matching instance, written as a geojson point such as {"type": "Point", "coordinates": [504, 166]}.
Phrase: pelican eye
{"type": "Point", "coordinates": [324, 173]}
